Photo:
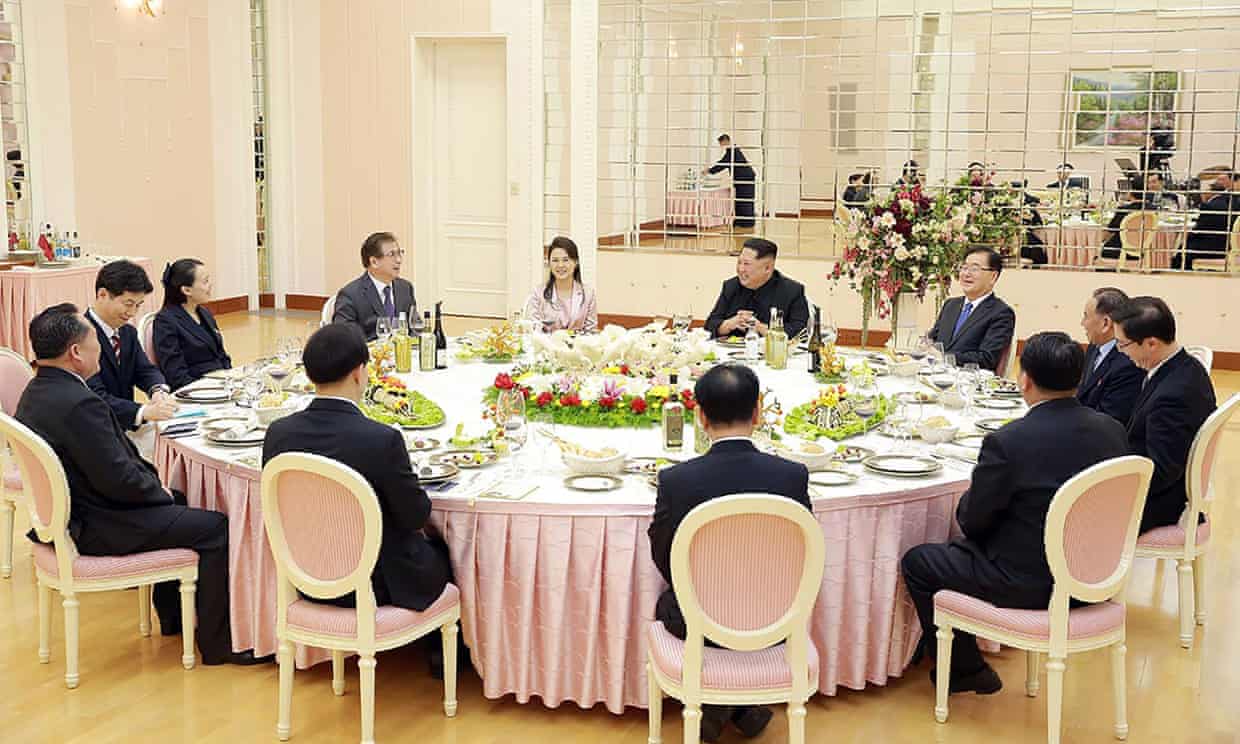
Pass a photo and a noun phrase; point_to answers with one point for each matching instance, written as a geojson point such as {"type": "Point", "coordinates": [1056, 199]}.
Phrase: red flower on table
{"type": "Point", "coordinates": [638, 405]}
{"type": "Point", "coordinates": [544, 399]}
{"type": "Point", "coordinates": [570, 400]}
{"type": "Point", "coordinates": [503, 381]}
{"type": "Point", "coordinates": [393, 382]}
{"type": "Point", "coordinates": [624, 369]}
{"type": "Point", "coordinates": [607, 403]}
{"type": "Point", "coordinates": [687, 397]}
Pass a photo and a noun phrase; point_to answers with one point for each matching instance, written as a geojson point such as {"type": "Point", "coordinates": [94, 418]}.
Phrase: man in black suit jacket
{"type": "Point", "coordinates": [727, 398]}
{"type": "Point", "coordinates": [120, 289]}
{"type": "Point", "coordinates": [379, 292]}
{"type": "Point", "coordinates": [411, 571]}
{"type": "Point", "coordinates": [1002, 556]}
{"type": "Point", "coordinates": [1210, 236]}
{"type": "Point", "coordinates": [117, 505]}
{"type": "Point", "coordinates": [978, 326]}
{"type": "Point", "coordinates": [1177, 399]}
{"type": "Point", "coordinates": [756, 288]}
{"type": "Point", "coordinates": [1110, 382]}
{"type": "Point", "coordinates": [1065, 180]}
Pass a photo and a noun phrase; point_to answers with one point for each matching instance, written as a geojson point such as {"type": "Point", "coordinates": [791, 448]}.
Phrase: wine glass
{"type": "Point", "coordinates": [949, 361]}
{"type": "Point", "coordinates": [936, 353]}
{"type": "Point", "coordinates": [253, 388]}
{"type": "Point", "coordinates": [681, 322]}
{"type": "Point", "coordinates": [920, 348]}
{"type": "Point", "coordinates": [384, 328]}
{"type": "Point", "coordinates": [967, 386]}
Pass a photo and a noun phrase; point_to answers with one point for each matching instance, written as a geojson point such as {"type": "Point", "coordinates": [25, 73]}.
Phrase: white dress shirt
{"type": "Point", "coordinates": [1102, 353]}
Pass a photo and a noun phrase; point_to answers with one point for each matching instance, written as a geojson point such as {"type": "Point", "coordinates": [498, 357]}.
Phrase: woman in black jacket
{"type": "Point", "coordinates": [188, 343]}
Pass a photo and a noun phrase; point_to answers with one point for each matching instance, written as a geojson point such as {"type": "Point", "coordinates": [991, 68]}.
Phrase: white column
{"type": "Point", "coordinates": [232, 146]}
{"type": "Point", "coordinates": [583, 207]}
{"type": "Point", "coordinates": [49, 162]}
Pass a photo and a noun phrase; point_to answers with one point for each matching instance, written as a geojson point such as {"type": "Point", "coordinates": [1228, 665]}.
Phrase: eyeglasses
{"type": "Point", "coordinates": [971, 269]}
{"type": "Point", "coordinates": [133, 305]}
{"type": "Point", "coordinates": [1124, 344]}
{"type": "Point", "coordinates": [400, 252]}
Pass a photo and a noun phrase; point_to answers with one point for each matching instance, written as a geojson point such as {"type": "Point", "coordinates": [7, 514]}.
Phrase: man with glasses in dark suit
{"type": "Point", "coordinates": [379, 292]}
{"type": "Point", "coordinates": [977, 327]}
{"type": "Point", "coordinates": [1110, 382]}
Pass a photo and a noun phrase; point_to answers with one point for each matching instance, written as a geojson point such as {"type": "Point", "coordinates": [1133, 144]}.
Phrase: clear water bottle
{"type": "Point", "coordinates": [753, 343]}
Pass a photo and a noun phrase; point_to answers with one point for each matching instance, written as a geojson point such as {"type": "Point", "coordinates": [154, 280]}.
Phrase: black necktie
{"type": "Point", "coordinates": [389, 309]}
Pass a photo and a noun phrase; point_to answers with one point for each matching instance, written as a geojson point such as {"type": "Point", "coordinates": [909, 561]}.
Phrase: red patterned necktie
{"type": "Point", "coordinates": [116, 345]}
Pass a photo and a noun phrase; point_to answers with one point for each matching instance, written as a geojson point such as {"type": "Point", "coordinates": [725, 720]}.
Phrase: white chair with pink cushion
{"type": "Point", "coordinates": [146, 336]}
{"type": "Point", "coordinates": [747, 569]}
{"type": "Point", "coordinates": [58, 565]}
{"type": "Point", "coordinates": [15, 374]}
{"type": "Point", "coordinates": [324, 526]}
{"type": "Point", "coordinates": [1091, 534]}
{"type": "Point", "coordinates": [328, 310]}
{"type": "Point", "coordinates": [1188, 547]}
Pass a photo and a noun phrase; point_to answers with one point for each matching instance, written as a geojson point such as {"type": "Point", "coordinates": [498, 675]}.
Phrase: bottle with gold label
{"type": "Point", "coordinates": [402, 345]}
{"type": "Point", "coordinates": [673, 419]}
{"type": "Point", "coordinates": [776, 342]}
{"type": "Point", "coordinates": [426, 344]}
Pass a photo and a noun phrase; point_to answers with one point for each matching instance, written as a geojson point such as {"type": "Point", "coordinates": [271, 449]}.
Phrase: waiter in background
{"type": "Point", "coordinates": [743, 179]}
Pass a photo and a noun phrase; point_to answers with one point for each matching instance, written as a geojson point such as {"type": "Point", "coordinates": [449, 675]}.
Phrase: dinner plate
{"type": "Point", "coordinates": [223, 374]}
{"type": "Point", "coordinates": [466, 458]}
{"type": "Point", "coordinates": [226, 439]}
{"type": "Point", "coordinates": [204, 395]}
{"type": "Point", "coordinates": [421, 444]}
{"type": "Point", "coordinates": [437, 472]}
{"type": "Point", "coordinates": [903, 466]}
{"type": "Point", "coordinates": [220, 423]}
{"type": "Point", "coordinates": [742, 355]}
{"type": "Point", "coordinates": [831, 478]}
{"type": "Point", "coordinates": [595, 483]}
{"type": "Point", "coordinates": [920, 397]}
{"type": "Point", "coordinates": [648, 465]}
{"type": "Point", "coordinates": [999, 404]}
{"type": "Point", "coordinates": [851, 453]}
{"type": "Point", "coordinates": [991, 424]}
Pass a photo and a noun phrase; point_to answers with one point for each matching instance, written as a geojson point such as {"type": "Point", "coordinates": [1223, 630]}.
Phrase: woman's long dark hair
{"type": "Point", "coordinates": [179, 274]}
{"type": "Point", "coordinates": [569, 247]}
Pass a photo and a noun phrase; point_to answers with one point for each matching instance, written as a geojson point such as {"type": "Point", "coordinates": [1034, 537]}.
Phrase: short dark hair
{"type": "Point", "coordinates": [177, 275]}
{"type": "Point", "coordinates": [762, 247]}
{"type": "Point", "coordinates": [1145, 317]}
{"type": "Point", "coordinates": [976, 164]}
{"type": "Point", "coordinates": [724, 138]}
{"type": "Point", "coordinates": [994, 261]}
{"type": "Point", "coordinates": [1053, 361]}
{"type": "Point", "coordinates": [855, 176]}
{"type": "Point", "coordinates": [372, 246]}
{"type": "Point", "coordinates": [119, 277]}
{"type": "Point", "coordinates": [1109, 299]}
{"type": "Point", "coordinates": [1065, 166]}
{"type": "Point", "coordinates": [727, 393]}
{"type": "Point", "coordinates": [55, 329]}
{"type": "Point", "coordinates": [333, 351]}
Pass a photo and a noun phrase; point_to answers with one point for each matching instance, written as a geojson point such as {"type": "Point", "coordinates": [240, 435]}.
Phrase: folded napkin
{"type": "Point", "coordinates": [957, 451]}
{"type": "Point", "coordinates": [190, 412]}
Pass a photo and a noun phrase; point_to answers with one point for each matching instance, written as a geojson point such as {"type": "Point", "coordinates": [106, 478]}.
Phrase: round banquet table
{"type": "Point", "coordinates": [556, 588]}
{"type": "Point", "coordinates": [1076, 242]}
{"type": "Point", "coordinates": [701, 208]}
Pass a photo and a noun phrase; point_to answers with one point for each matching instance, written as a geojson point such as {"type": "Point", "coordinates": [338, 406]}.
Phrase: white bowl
{"type": "Point", "coordinates": [937, 434]}
{"type": "Point", "coordinates": [810, 460]}
{"type": "Point", "coordinates": [952, 399]}
{"type": "Point", "coordinates": [594, 465]}
{"type": "Point", "coordinates": [267, 416]}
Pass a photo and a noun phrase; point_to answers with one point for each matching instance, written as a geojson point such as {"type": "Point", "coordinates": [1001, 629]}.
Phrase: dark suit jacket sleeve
{"type": "Point", "coordinates": [720, 311]}
{"type": "Point", "coordinates": [126, 410]}
{"type": "Point", "coordinates": [798, 313]}
{"type": "Point", "coordinates": [662, 530]}
{"type": "Point", "coordinates": [168, 352]}
{"type": "Point", "coordinates": [345, 311]}
{"type": "Point", "coordinates": [989, 494]}
{"type": "Point", "coordinates": [1169, 431]}
{"type": "Point", "coordinates": [107, 462]}
{"type": "Point", "coordinates": [146, 375]}
{"type": "Point", "coordinates": [933, 333]}
{"type": "Point", "coordinates": [1119, 395]}
{"type": "Point", "coordinates": [408, 506]}
{"type": "Point", "coordinates": [724, 163]}
{"type": "Point", "coordinates": [214, 327]}
{"type": "Point", "coordinates": [998, 336]}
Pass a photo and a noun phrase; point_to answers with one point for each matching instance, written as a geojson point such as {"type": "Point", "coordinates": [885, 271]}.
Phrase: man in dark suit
{"type": "Point", "coordinates": [117, 505]}
{"type": "Point", "coordinates": [120, 289]}
{"type": "Point", "coordinates": [756, 288]}
{"type": "Point", "coordinates": [858, 191]}
{"type": "Point", "coordinates": [727, 398]}
{"type": "Point", "coordinates": [1135, 203]}
{"type": "Point", "coordinates": [1064, 179]}
{"type": "Point", "coordinates": [978, 326]}
{"type": "Point", "coordinates": [1110, 382]}
{"type": "Point", "coordinates": [743, 180]}
{"type": "Point", "coordinates": [1209, 237]}
{"type": "Point", "coordinates": [1177, 399]}
{"type": "Point", "coordinates": [1002, 556]}
{"type": "Point", "coordinates": [412, 569]}
{"type": "Point", "coordinates": [378, 293]}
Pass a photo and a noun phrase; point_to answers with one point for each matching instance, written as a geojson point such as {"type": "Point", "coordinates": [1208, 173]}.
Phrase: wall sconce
{"type": "Point", "coordinates": [149, 8]}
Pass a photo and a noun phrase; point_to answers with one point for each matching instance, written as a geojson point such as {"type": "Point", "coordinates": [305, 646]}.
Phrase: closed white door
{"type": "Point", "coordinates": [469, 157]}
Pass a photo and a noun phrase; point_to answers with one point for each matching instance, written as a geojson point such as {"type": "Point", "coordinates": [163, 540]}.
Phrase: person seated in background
{"type": "Point", "coordinates": [910, 175]}
{"type": "Point", "coordinates": [728, 411]}
{"type": "Point", "coordinates": [744, 180]}
{"type": "Point", "coordinates": [1064, 179]}
{"type": "Point", "coordinates": [1211, 234]}
{"type": "Point", "coordinates": [858, 191]}
{"type": "Point", "coordinates": [120, 289]}
{"type": "Point", "coordinates": [1176, 400]}
{"type": "Point", "coordinates": [1001, 556]}
{"type": "Point", "coordinates": [379, 292]}
{"type": "Point", "coordinates": [188, 342]}
{"type": "Point", "coordinates": [756, 288]}
{"type": "Point", "coordinates": [1156, 195]}
{"type": "Point", "coordinates": [1111, 382]}
{"type": "Point", "coordinates": [564, 302]}
{"type": "Point", "coordinates": [1133, 202]}
{"type": "Point", "coordinates": [1032, 247]}
{"type": "Point", "coordinates": [412, 569]}
{"type": "Point", "coordinates": [977, 327]}
{"type": "Point", "coordinates": [117, 505]}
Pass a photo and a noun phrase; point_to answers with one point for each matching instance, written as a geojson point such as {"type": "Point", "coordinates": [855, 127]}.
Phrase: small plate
{"type": "Point", "coordinates": [741, 355]}
{"type": "Point", "coordinates": [918, 397]}
{"type": "Point", "coordinates": [421, 444]}
{"type": "Point", "coordinates": [436, 472]}
{"type": "Point", "coordinates": [249, 439]}
{"type": "Point", "coordinates": [220, 423]}
{"type": "Point", "coordinates": [466, 458]}
{"type": "Point", "coordinates": [970, 440]}
{"type": "Point", "coordinates": [903, 466]}
{"type": "Point", "coordinates": [733, 341]}
{"type": "Point", "coordinates": [648, 465]}
{"type": "Point", "coordinates": [204, 395]}
{"type": "Point", "coordinates": [250, 461]}
{"type": "Point", "coordinates": [831, 478]}
{"type": "Point", "coordinates": [223, 374]}
{"type": "Point", "coordinates": [593, 483]}
{"type": "Point", "coordinates": [999, 404]}
{"type": "Point", "coordinates": [991, 424]}
{"type": "Point", "coordinates": [851, 454]}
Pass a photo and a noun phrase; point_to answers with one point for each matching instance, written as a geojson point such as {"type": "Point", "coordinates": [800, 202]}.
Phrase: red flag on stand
{"type": "Point", "coordinates": [45, 245]}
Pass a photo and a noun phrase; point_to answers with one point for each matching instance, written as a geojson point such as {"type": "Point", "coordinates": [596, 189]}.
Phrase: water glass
{"type": "Point", "coordinates": [383, 328]}
{"type": "Point", "coordinates": [949, 361]}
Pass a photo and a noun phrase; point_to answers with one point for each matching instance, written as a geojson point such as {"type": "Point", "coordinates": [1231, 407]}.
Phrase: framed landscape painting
{"type": "Point", "coordinates": [1117, 108]}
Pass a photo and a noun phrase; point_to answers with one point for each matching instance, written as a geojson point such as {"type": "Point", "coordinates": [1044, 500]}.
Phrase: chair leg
{"type": "Point", "coordinates": [70, 603]}
{"type": "Point", "coordinates": [188, 587]}
{"type": "Point", "coordinates": [1054, 698]}
{"type": "Point", "coordinates": [45, 623]}
{"type": "Point", "coordinates": [654, 708]}
{"type": "Point", "coordinates": [6, 540]}
{"type": "Point", "coordinates": [796, 722]}
{"type": "Point", "coordinates": [338, 672]}
{"type": "Point", "coordinates": [943, 673]}
{"type": "Point", "coordinates": [1199, 588]}
{"type": "Point", "coordinates": [692, 715]}
{"type": "Point", "coordinates": [283, 718]}
{"type": "Point", "coordinates": [1185, 574]}
{"type": "Point", "coordinates": [1032, 662]}
{"type": "Point", "coordinates": [144, 610]}
{"type": "Point", "coordinates": [1119, 683]}
{"type": "Point", "coordinates": [367, 666]}
{"type": "Point", "coordinates": [448, 633]}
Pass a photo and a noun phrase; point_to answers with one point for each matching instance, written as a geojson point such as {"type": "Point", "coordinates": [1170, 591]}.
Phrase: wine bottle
{"type": "Point", "coordinates": [777, 343]}
{"type": "Point", "coordinates": [426, 344]}
{"type": "Point", "coordinates": [815, 342]}
{"type": "Point", "coordinates": [673, 418]}
{"type": "Point", "coordinates": [441, 339]}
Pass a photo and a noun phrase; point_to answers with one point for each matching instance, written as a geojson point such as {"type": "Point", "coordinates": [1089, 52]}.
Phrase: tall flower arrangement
{"type": "Point", "coordinates": [994, 213]}
{"type": "Point", "coordinates": [905, 241]}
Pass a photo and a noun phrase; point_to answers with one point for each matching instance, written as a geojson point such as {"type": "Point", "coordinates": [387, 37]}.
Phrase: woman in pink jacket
{"type": "Point", "coordinates": [563, 302]}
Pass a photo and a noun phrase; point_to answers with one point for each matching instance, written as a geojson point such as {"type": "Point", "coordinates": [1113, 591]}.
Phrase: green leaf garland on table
{"type": "Point", "coordinates": [798, 422]}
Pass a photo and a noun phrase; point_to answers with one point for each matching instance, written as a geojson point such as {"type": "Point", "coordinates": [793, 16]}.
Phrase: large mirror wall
{"type": "Point", "coordinates": [812, 92]}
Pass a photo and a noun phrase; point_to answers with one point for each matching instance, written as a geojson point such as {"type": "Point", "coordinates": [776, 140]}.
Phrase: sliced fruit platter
{"type": "Point", "coordinates": [390, 401]}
